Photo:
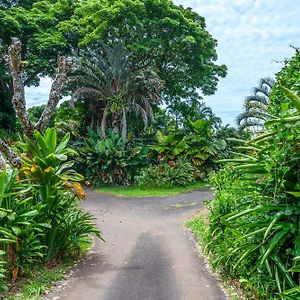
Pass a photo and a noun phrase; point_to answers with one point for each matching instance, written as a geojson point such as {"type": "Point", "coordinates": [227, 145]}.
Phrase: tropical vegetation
{"type": "Point", "coordinates": [133, 74]}
{"type": "Point", "coordinates": [252, 232]}
{"type": "Point", "coordinates": [256, 107]}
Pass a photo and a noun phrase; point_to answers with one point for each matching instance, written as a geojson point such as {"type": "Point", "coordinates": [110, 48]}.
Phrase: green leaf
{"type": "Point", "coordinates": [295, 269]}
{"type": "Point", "coordinates": [31, 213]}
{"type": "Point", "coordinates": [291, 96]}
{"type": "Point", "coordinates": [16, 230]}
{"type": "Point", "coordinates": [51, 139]}
{"type": "Point", "coordinates": [250, 210]}
{"type": "Point", "coordinates": [62, 145]}
{"type": "Point", "coordinates": [274, 242]}
{"type": "Point", "coordinates": [271, 225]}
{"type": "Point", "coordinates": [41, 142]}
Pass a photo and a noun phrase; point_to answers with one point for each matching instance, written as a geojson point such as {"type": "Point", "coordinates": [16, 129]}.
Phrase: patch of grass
{"type": "Point", "coordinates": [41, 279]}
{"type": "Point", "coordinates": [198, 226]}
{"type": "Point", "coordinates": [33, 287]}
{"type": "Point", "coordinates": [143, 191]}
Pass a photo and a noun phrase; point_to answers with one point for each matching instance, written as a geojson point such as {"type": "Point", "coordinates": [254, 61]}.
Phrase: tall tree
{"type": "Point", "coordinates": [115, 88]}
{"type": "Point", "coordinates": [172, 38]}
{"type": "Point", "coordinates": [256, 107]}
{"type": "Point", "coordinates": [16, 67]}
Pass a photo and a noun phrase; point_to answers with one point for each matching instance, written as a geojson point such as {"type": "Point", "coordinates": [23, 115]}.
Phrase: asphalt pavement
{"type": "Point", "coordinates": [148, 254]}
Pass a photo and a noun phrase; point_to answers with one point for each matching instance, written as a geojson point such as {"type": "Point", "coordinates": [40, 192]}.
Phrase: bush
{"type": "Point", "coordinates": [39, 218]}
{"type": "Point", "coordinates": [180, 173]}
{"type": "Point", "coordinates": [254, 221]}
{"type": "Point", "coordinates": [111, 160]}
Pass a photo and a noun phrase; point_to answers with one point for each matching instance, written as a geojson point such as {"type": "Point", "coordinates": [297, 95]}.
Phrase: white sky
{"type": "Point", "coordinates": [253, 37]}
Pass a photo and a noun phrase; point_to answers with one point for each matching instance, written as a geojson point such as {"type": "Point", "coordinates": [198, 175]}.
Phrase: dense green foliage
{"type": "Point", "coordinates": [177, 158]}
{"type": "Point", "coordinates": [171, 39]}
{"type": "Point", "coordinates": [288, 77]}
{"type": "Point", "coordinates": [110, 160]}
{"type": "Point", "coordinates": [180, 173]}
{"type": "Point", "coordinates": [198, 142]}
{"type": "Point", "coordinates": [256, 210]}
{"type": "Point", "coordinates": [157, 32]}
{"type": "Point", "coordinates": [39, 218]}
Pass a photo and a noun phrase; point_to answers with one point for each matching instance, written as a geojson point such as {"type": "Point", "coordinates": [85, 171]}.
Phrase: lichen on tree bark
{"type": "Point", "coordinates": [55, 93]}
{"type": "Point", "coordinates": [16, 67]}
{"type": "Point", "coordinates": [12, 157]}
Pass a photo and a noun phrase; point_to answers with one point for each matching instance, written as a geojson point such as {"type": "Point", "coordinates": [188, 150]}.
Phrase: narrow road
{"type": "Point", "coordinates": [148, 255]}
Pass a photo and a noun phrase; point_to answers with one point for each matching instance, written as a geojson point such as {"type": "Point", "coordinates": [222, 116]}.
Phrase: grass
{"type": "Point", "coordinates": [198, 226]}
{"type": "Point", "coordinates": [137, 191]}
{"type": "Point", "coordinates": [38, 283]}
{"type": "Point", "coordinates": [35, 285]}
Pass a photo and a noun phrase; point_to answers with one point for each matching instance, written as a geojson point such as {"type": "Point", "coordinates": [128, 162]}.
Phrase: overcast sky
{"type": "Point", "coordinates": [253, 38]}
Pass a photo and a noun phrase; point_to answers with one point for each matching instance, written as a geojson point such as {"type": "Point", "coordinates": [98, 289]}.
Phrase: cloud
{"type": "Point", "coordinates": [38, 95]}
{"type": "Point", "coordinates": [253, 35]}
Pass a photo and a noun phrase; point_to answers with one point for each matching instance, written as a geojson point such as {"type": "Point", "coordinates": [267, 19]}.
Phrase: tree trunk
{"type": "Point", "coordinates": [16, 66]}
{"type": "Point", "coordinates": [115, 122]}
{"type": "Point", "coordinates": [14, 160]}
{"type": "Point", "coordinates": [55, 93]}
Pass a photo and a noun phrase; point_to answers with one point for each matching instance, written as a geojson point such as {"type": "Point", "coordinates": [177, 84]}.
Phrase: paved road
{"type": "Point", "coordinates": [148, 255]}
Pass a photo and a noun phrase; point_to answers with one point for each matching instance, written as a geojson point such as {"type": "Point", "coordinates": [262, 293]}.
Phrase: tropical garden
{"type": "Point", "coordinates": [132, 75]}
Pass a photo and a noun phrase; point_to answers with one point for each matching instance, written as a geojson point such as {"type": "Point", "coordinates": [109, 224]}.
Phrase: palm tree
{"type": "Point", "coordinates": [203, 112]}
{"type": "Point", "coordinates": [256, 107]}
{"type": "Point", "coordinates": [115, 88]}
{"type": "Point", "coordinates": [206, 113]}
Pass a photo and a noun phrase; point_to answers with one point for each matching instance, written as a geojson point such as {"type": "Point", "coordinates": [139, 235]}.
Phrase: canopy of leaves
{"type": "Point", "coordinates": [37, 26]}
{"type": "Point", "coordinates": [289, 76]}
{"type": "Point", "coordinates": [172, 38]}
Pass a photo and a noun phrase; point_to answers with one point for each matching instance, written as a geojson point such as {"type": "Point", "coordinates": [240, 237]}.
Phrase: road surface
{"type": "Point", "coordinates": [148, 255]}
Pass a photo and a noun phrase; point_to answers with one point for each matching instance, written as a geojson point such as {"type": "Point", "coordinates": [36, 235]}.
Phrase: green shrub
{"type": "Point", "coordinates": [198, 142]}
{"type": "Point", "coordinates": [254, 221]}
{"type": "Point", "coordinates": [111, 160]}
{"type": "Point", "coordinates": [19, 231]}
{"type": "Point", "coordinates": [39, 218]}
{"type": "Point", "coordinates": [180, 173]}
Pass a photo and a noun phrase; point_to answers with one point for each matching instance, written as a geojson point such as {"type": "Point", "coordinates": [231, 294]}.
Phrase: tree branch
{"type": "Point", "coordinates": [16, 66]}
{"type": "Point", "coordinates": [55, 93]}
{"type": "Point", "coordinates": [14, 60]}
{"type": "Point", "coordinates": [12, 157]}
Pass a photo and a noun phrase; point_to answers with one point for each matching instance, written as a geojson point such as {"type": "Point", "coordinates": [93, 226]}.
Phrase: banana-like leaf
{"type": "Point", "coordinates": [62, 145]}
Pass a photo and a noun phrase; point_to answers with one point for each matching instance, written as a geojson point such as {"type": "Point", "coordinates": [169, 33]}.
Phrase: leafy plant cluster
{"type": "Point", "coordinates": [40, 222]}
{"type": "Point", "coordinates": [184, 155]}
{"type": "Point", "coordinates": [181, 173]}
{"type": "Point", "coordinates": [253, 232]}
{"type": "Point", "coordinates": [110, 160]}
{"type": "Point", "coordinates": [181, 157]}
